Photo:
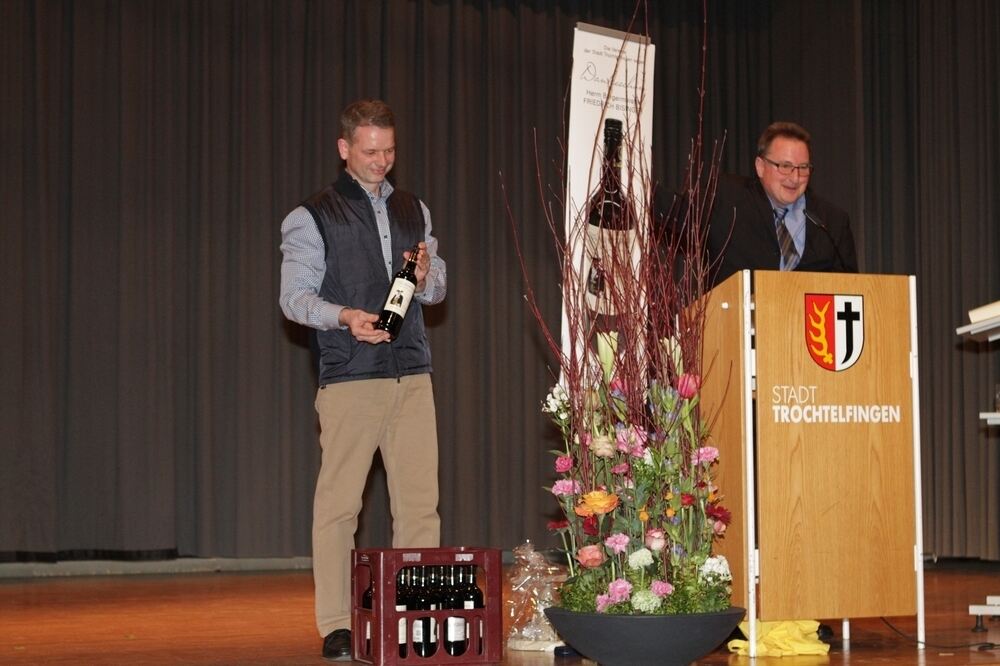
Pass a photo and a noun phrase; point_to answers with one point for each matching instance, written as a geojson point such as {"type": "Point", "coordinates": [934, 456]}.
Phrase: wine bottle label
{"type": "Point", "coordinates": [400, 296]}
{"type": "Point", "coordinates": [606, 252]}
{"type": "Point", "coordinates": [418, 632]}
{"type": "Point", "coordinates": [455, 629]}
{"type": "Point", "coordinates": [401, 629]}
{"type": "Point", "coordinates": [468, 603]}
{"type": "Point", "coordinates": [434, 630]}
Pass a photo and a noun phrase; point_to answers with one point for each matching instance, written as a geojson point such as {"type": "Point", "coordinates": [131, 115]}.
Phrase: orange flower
{"type": "Point", "coordinates": [670, 512]}
{"type": "Point", "coordinates": [643, 515]}
{"type": "Point", "coordinates": [596, 502]}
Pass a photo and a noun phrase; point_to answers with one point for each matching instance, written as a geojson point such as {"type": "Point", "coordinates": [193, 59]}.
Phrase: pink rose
{"type": "Point", "coordinates": [617, 542]}
{"type": "Point", "coordinates": [603, 601]}
{"type": "Point", "coordinates": [655, 540]}
{"type": "Point", "coordinates": [564, 464]}
{"type": "Point", "coordinates": [661, 588]}
{"type": "Point", "coordinates": [688, 385]}
{"type": "Point", "coordinates": [590, 557]}
{"type": "Point", "coordinates": [719, 527]}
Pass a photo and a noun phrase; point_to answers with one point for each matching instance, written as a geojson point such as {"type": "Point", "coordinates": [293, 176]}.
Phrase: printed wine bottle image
{"type": "Point", "coordinates": [397, 301]}
{"type": "Point", "coordinates": [610, 235]}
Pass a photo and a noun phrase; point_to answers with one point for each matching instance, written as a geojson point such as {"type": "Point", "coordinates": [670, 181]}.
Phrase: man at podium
{"type": "Point", "coordinates": [777, 222]}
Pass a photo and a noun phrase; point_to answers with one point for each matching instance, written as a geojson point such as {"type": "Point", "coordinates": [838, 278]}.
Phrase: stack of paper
{"type": "Point", "coordinates": [984, 312]}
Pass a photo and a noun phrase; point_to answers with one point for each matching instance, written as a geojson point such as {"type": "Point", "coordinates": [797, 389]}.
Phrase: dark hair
{"type": "Point", "coordinates": [785, 129]}
{"type": "Point", "coordinates": [365, 112]}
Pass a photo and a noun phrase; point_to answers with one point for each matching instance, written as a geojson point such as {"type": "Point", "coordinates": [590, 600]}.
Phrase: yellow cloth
{"type": "Point", "coordinates": [781, 639]}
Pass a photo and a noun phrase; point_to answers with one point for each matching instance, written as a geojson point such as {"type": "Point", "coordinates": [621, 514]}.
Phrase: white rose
{"type": "Point", "coordinates": [602, 446]}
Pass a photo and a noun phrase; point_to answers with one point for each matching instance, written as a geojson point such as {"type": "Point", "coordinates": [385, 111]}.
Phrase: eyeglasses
{"type": "Point", "coordinates": [786, 168]}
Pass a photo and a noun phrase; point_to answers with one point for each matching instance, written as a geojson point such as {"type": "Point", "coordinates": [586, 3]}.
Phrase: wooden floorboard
{"type": "Point", "coordinates": [266, 618]}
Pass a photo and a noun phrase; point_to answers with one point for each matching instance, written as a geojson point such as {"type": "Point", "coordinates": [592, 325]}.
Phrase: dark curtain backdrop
{"type": "Point", "coordinates": [155, 401]}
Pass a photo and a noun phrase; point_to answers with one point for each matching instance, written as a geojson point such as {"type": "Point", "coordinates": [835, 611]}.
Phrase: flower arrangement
{"type": "Point", "coordinates": [636, 489]}
{"type": "Point", "coordinates": [636, 468]}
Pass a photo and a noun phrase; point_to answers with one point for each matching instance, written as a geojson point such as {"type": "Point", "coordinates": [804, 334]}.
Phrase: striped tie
{"type": "Point", "coordinates": [789, 255]}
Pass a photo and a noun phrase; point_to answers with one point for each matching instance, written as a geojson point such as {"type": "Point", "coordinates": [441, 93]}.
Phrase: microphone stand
{"type": "Point", "coordinates": [816, 221]}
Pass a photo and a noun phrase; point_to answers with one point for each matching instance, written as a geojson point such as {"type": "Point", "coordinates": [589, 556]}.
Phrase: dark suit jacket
{"type": "Point", "coordinates": [753, 243]}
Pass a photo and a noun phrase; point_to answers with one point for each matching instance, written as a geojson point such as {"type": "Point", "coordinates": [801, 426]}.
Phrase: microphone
{"type": "Point", "coordinates": [819, 223]}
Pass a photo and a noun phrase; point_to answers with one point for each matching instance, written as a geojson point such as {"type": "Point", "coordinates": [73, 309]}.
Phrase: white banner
{"type": "Point", "coordinates": [612, 79]}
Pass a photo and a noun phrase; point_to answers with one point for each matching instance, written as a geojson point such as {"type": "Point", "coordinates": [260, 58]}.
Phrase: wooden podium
{"type": "Point", "coordinates": [810, 385]}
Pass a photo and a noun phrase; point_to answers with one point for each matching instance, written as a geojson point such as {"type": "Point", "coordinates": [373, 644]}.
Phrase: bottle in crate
{"type": "Point", "coordinates": [367, 602]}
{"type": "Point", "coordinates": [410, 619]}
{"type": "Point", "coordinates": [456, 633]}
{"type": "Point", "coordinates": [463, 594]}
{"type": "Point", "coordinates": [424, 628]}
{"type": "Point", "coordinates": [403, 603]}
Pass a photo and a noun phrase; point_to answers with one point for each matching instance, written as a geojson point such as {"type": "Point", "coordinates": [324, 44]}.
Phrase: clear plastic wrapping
{"type": "Point", "coordinates": [530, 587]}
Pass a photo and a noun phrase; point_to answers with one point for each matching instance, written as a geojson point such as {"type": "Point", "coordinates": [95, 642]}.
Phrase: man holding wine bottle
{"type": "Point", "coordinates": [359, 261]}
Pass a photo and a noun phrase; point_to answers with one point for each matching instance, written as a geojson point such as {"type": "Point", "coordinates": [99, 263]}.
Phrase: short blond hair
{"type": "Point", "coordinates": [365, 112]}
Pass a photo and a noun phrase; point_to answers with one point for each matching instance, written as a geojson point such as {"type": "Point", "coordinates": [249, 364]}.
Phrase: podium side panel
{"type": "Point", "coordinates": [722, 400]}
{"type": "Point", "coordinates": [835, 457]}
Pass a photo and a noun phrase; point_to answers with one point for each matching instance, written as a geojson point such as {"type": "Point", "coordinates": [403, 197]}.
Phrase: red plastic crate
{"type": "Point", "coordinates": [381, 621]}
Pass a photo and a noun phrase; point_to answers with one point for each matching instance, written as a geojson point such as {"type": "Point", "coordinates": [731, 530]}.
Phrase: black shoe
{"type": "Point", "coordinates": [337, 645]}
{"type": "Point", "coordinates": [824, 632]}
{"type": "Point", "coordinates": [565, 651]}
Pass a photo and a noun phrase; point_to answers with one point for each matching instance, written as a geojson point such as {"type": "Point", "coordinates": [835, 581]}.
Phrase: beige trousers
{"type": "Point", "coordinates": [356, 418]}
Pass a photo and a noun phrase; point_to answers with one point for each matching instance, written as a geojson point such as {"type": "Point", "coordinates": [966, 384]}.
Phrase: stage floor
{"type": "Point", "coordinates": [266, 618]}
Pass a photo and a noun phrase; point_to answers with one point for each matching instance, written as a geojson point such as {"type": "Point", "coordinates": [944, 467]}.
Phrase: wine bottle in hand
{"type": "Point", "coordinates": [397, 301]}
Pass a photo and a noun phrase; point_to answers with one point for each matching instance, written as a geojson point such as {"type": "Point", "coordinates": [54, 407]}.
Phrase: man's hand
{"type": "Point", "coordinates": [362, 326]}
{"type": "Point", "coordinates": [423, 263]}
